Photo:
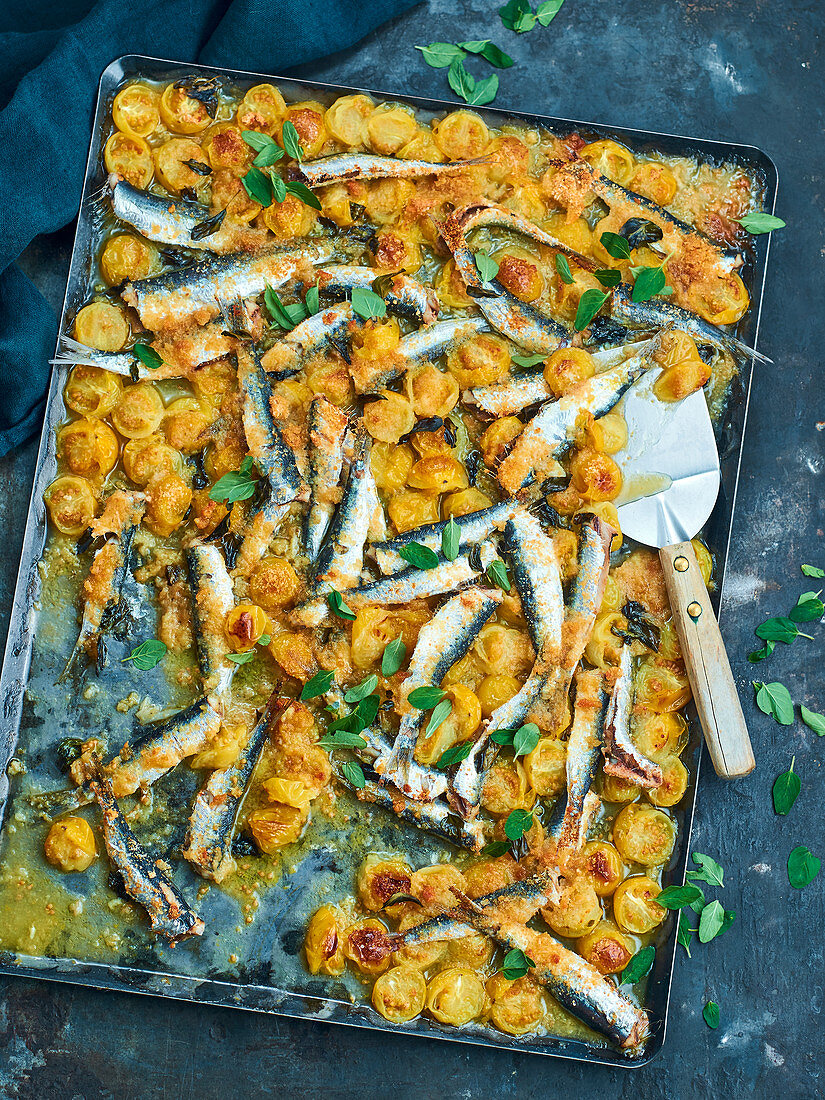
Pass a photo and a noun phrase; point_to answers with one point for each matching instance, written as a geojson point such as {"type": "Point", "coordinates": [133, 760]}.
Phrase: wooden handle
{"type": "Point", "coordinates": [708, 668]}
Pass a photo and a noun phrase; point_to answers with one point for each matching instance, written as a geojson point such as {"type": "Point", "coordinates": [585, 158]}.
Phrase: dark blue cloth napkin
{"type": "Point", "coordinates": [47, 91]}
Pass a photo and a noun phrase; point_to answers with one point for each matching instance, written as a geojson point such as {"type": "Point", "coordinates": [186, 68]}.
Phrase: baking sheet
{"type": "Point", "coordinates": [271, 976]}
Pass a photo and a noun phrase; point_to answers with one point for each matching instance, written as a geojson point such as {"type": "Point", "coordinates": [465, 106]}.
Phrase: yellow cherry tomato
{"type": "Point", "coordinates": [181, 113]}
{"type": "Point", "coordinates": [91, 391]}
{"type": "Point", "coordinates": [135, 110]}
{"type": "Point", "coordinates": [101, 325]}
{"type": "Point", "coordinates": [70, 844]}
{"type": "Point", "coordinates": [129, 157]}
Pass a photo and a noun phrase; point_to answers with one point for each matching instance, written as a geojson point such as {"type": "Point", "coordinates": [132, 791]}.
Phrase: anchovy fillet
{"type": "Point", "coordinates": [622, 758]}
{"type": "Point", "coordinates": [405, 296]}
{"type": "Point", "coordinates": [327, 429]}
{"type": "Point", "coordinates": [212, 600]}
{"type": "Point", "coordinates": [263, 436]}
{"type": "Point", "coordinates": [168, 910]}
{"type": "Point", "coordinates": [414, 348]}
{"type": "Point", "coordinates": [482, 215]}
{"type": "Point", "coordinates": [366, 166]}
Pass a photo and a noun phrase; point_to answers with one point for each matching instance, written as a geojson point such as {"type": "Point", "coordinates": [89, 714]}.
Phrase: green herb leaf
{"type": "Point", "coordinates": [236, 485]}
{"type": "Point", "coordinates": [503, 736]}
{"type": "Point", "coordinates": [497, 574]}
{"type": "Point", "coordinates": [484, 91]}
{"type": "Point", "coordinates": [367, 304]}
{"type": "Point", "coordinates": [338, 606]}
{"type": "Point", "coordinates": [461, 82]}
{"type": "Point", "coordinates": [786, 790]}
{"type": "Point", "coordinates": [517, 824]}
{"type": "Point", "coordinates": [813, 571]}
{"type": "Point", "coordinates": [316, 685]}
{"type": "Point", "coordinates": [608, 276]}
{"type": "Point", "coordinates": [760, 654]}
{"type": "Point", "coordinates": [563, 268]}
{"type": "Point", "coordinates": [528, 360]}
{"type": "Point", "coordinates": [450, 540]}
{"type": "Point", "coordinates": [242, 658]}
{"type": "Point", "coordinates": [268, 156]}
{"type": "Point", "coordinates": [258, 185]}
{"type": "Point", "coordinates": [709, 870]}
{"type": "Point", "coordinates": [526, 738]}
{"type": "Point", "coordinates": [778, 629]}
{"type": "Point", "coordinates": [589, 305]}
{"type": "Point", "coordinates": [360, 691]}
{"type": "Point", "coordinates": [638, 966]}
{"type": "Point", "coordinates": [490, 52]}
{"type": "Point", "coordinates": [311, 300]}
{"type": "Point", "coordinates": [487, 266]}
{"type": "Point", "coordinates": [425, 697]}
{"type": "Point", "coordinates": [353, 774]}
{"type": "Point", "coordinates": [419, 556]}
{"type": "Point", "coordinates": [684, 933]}
{"type": "Point", "coordinates": [710, 921]}
{"type": "Point", "coordinates": [440, 712]}
{"type": "Point", "coordinates": [148, 356]}
{"type": "Point", "coordinates": [813, 721]}
{"type": "Point", "coordinates": [809, 608]}
{"type": "Point", "coordinates": [803, 867]}
{"type": "Point", "coordinates": [496, 848]}
{"type": "Point", "coordinates": [343, 739]}
{"type": "Point", "coordinates": [649, 282]}
{"type": "Point", "coordinates": [759, 222]}
{"type": "Point", "coordinates": [454, 755]}
{"type": "Point", "coordinates": [291, 141]}
{"type": "Point", "coordinates": [516, 964]}
{"type": "Point", "coordinates": [264, 639]}
{"type": "Point", "coordinates": [774, 699]}
{"type": "Point", "coordinates": [727, 920]}
{"type": "Point", "coordinates": [677, 897]}
{"type": "Point", "coordinates": [302, 192]}
{"type": "Point", "coordinates": [710, 1013]}
{"type": "Point", "coordinates": [286, 317]}
{"type": "Point", "coordinates": [441, 54]}
{"type": "Point", "coordinates": [256, 140]}
{"type": "Point", "coordinates": [279, 187]}
{"type": "Point", "coordinates": [393, 657]}
{"type": "Point", "coordinates": [615, 246]}
{"type": "Point", "coordinates": [147, 655]}
{"type": "Point", "coordinates": [367, 710]}
{"type": "Point", "coordinates": [548, 10]}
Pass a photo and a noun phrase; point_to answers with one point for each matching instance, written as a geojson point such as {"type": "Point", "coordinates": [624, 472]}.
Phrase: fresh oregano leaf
{"type": "Point", "coordinates": [419, 556]}
{"type": "Point", "coordinates": [316, 685]}
{"type": "Point", "coordinates": [354, 774]}
{"type": "Point", "coordinates": [803, 867]}
{"type": "Point", "coordinates": [813, 721]}
{"type": "Point", "coordinates": [147, 655]}
{"type": "Point", "coordinates": [450, 540]}
{"type": "Point", "coordinates": [710, 1014]}
{"type": "Point", "coordinates": [148, 356]}
{"type": "Point", "coordinates": [786, 790]}
{"type": "Point", "coordinates": [775, 699]}
{"type": "Point", "coordinates": [393, 657]}
{"type": "Point", "coordinates": [589, 305]}
{"type": "Point", "coordinates": [517, 824]}
{"type": "Point", "coordinates": [638, 966]}
{"type": "Point", "coordinates": [423, 698]}
{"type": "Point", "coordinates": [759, 222]}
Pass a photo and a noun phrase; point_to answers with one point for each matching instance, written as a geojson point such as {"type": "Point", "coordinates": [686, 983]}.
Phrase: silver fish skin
{"type": "Point", "coordinates": [622, 758]}
{"type": "Point", "coordinates": [535, 451]}
{"type": "Point", "coordinates": [192, 293]}
{"type": "Point", "coordinates": [117, 524]}
{"type": "Point", "coordinates": [537, 578]}
{"type": "Point", "coordinates": [263, 436]}
{"type": "Point", "coordinates": [257, 535]}
{"type": "Point", "coordinates": [442, 641]}
{"type": "Point", "coordinates": [432, 817]}
{"type": "Point", "coordinates": [212, 600]}
{"type": "Point", "coordinates": [659, 313]}
{"type": "Point", "coordinates": [208, 344]}
{"type": "Point", "coordinates": [208, 845]}
{"type": "Point", "coordinates": [513, 318]}
{"type": "Point", "coordinates": [527, 387]}
{"type": "Point", "coordinates": [367, 166]}
{"type": "Point", "coordinates": [405, 297]}
{"type": "Point", "coordinates": [411, 584]}
{"type": "Point", "coordinates": [584, 749]}
{"type": "Point", "coordinates": [474, 527]}
{"type": "Point", "coordinates": [483, 215]}
{"type": "Point", "coordinates": [341, 558]}
{"type": "Point", "coordinates": [327, 431]}
{"type": "Point", "coordinates": [168, 910]}
{"type": "Point", "coordinates": [419, 347]}
{"type": "Point", "coordinates": [572, 981]}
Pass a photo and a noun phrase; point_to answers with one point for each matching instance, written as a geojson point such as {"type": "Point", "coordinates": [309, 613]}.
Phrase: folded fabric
{"type": "Point", "coordinates": [48, 86]}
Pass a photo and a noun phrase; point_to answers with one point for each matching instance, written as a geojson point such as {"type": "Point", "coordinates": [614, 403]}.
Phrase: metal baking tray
{"type": "Point", "coordinates": [270, 977]}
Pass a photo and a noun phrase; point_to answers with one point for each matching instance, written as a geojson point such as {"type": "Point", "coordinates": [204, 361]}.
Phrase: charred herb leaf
{"type": "Point", "coordinates": [638, 966]}
{"type": "Point", "coordinates": [803, 867]}
{"type": "Point", "coordinates": [208, 226]}
{"type": "Point", "coordinates": [589, 305]}
{"type": "Point", "coordinates": [759, 222]}
{"type": "Point", "coordinates": [516, 964]}
{"type": "Point", "coordinates": [419, 556]}
{"type": "Point", "coordinates": [774, 699]}
{"type": "Point", "coordinates": [393, 657]}
{"type": "Point", "coordinates": [496, 848]}
{"type": "Point", "coordinates": [147, 655]}
{"type": "Point", "coordinates": [148, 356]}
{"type": "Point", "coordinates": [382, 284]}
{"type": "Point", "coordinates": [786, 790]}
{"type": "Point", "coordinates": [640, 231]}
{"type": "Point", "coordinates": [813, 721]}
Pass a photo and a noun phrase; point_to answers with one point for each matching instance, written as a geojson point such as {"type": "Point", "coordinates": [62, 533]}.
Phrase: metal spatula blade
{"type": "Point", "coordinates": [670, 467]}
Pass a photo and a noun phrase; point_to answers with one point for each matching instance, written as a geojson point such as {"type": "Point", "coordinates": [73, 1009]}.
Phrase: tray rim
{"type": "Point", "coordinates": [19, 642]}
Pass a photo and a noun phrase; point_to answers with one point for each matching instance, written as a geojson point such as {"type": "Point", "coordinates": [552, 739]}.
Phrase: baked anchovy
{"type": "Point", "coordinates": [194, 293]}
{"type": "Point", "coordinates": [432, 817]}
{"type": "Point", "coordinates": [525, 388]}
{"type": "Point", "coordinates": [415, 348]}
{"type": "Point", "coordinates": [535, 451]}
{"type": "Point", "coordinates": [208, 844]}
{"type": "Point", "coordinates": [411, 584]}
{"type": "Point", "coordinates": [179, 222]}
{"type": "Point", "coordinates": [595, 537]}
{"type": "Point", "coordinates": [366, 166]}
{"type": "Point", "coordinates": [327, 430]}
{"type": "Point", "coordinates": [257, 535]}
{"type": "Point", "coordinates": [212, 600]}
{"type": "Point", "coordinates": [273, 457]}
{"type": "Point", "coordinates": [404, 296]}
{"type": "Point", "coordinates": [584, 749]}
{"type": "Point", "coordinates": [576, 831]}
{"type": "Point", "coordinates": [659, 312]}
{"type": "Point", "coordinates": [622, 758]}
{"type": "Point", "coordinates": [474, 527]}
{"type": "Point", "coordinates": [143, 880]}
{"type": "Point", "coordinates": [484, 215]}
{"type": "Point", "coordinates": [442, 641]}
{"type": "Point", "coordinates": [102, 597]}
{"type": "Point", "coordinates": [513, 318]}
{"type": "Point", "coordinates": [538, 581]}
{"type": "Point", "coordinates": [572, 981]}
{"type": "Point", "coordinates": [341, 558]}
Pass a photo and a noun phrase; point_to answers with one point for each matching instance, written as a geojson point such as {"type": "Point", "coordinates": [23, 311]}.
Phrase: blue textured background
{"type": "Point", "coordinates": [740, 70]}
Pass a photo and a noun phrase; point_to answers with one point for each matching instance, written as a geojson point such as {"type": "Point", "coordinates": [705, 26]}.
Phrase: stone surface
{"type": "Point", "coordinates": [739, 70]}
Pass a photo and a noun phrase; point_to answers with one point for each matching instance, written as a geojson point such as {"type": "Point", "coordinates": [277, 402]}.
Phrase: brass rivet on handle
{"type": "Point", "coordinates": [694, 609]}
{"type": "Point", "coordinates": [681, 564]}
